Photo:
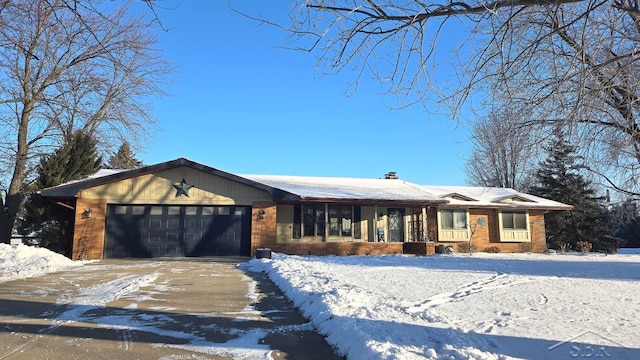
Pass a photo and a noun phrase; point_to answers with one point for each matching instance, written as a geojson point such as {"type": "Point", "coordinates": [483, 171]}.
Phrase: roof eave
{"type": "Point", "coordinates": [72, 190]}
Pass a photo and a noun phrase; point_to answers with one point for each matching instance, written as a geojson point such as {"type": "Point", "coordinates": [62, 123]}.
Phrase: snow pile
{"type": "Point", "coordinates": [22, 261]}
{"type": "Point", "coordinates": [484, 306]}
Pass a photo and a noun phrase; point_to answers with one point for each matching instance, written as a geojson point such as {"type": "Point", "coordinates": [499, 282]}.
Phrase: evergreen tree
{"type": "Point", "coordinates": [52, 223]}
{"type": "Point", "coordinates": [559, 179]}
{"type": "Point", "coordinates": [124, 158]}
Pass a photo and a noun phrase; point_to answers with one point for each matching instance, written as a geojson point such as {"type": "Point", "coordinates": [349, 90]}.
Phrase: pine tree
{"type": "Point", "coordinates": [559, 179]}
{"type": "Point", "coordinates": [52, 223]}
{"type": "Point", "coordinates": [124, 158]}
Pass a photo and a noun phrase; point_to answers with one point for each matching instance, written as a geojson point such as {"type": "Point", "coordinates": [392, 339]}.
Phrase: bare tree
{"type": "Point", "coordinates": [67, 66]}
{"type": "Point", "coordinates": [504, 151]}
{"type": "Point", "coordinates": [572, 62]}
{"type": "Point", "coordinates": [577, 67]}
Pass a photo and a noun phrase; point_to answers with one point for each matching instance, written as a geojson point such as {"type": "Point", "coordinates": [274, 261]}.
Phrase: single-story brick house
{"type": "Point", "coordinates": [183, 208]}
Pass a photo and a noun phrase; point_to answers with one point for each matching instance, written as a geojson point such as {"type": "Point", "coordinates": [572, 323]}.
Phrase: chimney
{"type": "Point", "coordinates": [391, 175]}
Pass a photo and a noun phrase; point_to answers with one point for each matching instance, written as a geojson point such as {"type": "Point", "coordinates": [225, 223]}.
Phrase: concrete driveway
{"type": "Point", "coordinates": [154, 309]}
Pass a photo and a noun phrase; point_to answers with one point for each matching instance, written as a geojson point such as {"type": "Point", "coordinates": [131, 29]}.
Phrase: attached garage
{"type": "Point", "coordinates": [145, 231]}
{"type": "Point", "coordinates": [172, 209]}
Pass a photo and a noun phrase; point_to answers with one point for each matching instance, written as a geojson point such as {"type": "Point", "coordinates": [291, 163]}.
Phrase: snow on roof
{"type": "Point", "coordinates": [346, 188]}
{"type": "Point", "coordinates": [338, 188]}
{"type": "Point", "coordinates": [491, 196]}
{"type": "Point", "coordinates": [100, 173]}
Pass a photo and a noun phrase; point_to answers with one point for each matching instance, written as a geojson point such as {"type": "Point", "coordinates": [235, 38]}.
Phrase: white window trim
{"type": "Point", "coordinates": [511, 235]}
{"type": "Point", "coordinates": [453, 235]}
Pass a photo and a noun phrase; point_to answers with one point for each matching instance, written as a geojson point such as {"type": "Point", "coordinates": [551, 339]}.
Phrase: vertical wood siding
{"type": "Point", "coordinates": [158, 188]}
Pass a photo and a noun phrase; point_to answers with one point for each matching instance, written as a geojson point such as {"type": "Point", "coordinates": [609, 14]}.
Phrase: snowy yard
{"type": "Point", "coordinates": [484, 306]}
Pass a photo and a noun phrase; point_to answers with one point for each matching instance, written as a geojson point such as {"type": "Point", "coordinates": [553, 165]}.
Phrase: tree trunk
{"type": "Point", "coordinates": [14, 197]}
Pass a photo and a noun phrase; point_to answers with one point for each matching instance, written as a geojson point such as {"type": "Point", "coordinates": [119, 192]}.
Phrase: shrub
{"type": "Point", "coordinates": [492, 249]}
{"type": "Point", "coordinates": [584, 246]}
{"type": "Point", "coordinates": [463, 247]}
{"type": "Point", "coordinates": [564, 247]}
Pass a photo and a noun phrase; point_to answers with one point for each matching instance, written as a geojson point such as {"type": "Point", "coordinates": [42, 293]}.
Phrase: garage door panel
{"type": "Point", "coordinates": [173, 224]}
{"type": "Point", "coordinates": [154, 231]}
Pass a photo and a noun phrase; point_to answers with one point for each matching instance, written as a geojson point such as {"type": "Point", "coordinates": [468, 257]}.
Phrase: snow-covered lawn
{"type": "Point", "coordinates": [484, 306]}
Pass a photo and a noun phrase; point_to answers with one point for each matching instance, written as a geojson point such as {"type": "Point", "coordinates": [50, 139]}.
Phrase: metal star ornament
{"type": "Point", "coordinates": [182, 188]}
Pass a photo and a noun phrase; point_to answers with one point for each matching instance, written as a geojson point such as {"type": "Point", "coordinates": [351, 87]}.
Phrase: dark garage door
{"type": "Point", "coordinates": [160, 230]}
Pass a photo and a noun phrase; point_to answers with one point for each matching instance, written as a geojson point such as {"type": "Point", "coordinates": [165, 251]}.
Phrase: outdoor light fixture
{"type": "Point", "coordinates": [262, 214]}
{"type": "Point", "coordinates": [86, 214]}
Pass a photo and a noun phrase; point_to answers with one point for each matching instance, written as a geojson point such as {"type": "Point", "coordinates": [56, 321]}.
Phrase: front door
{"type": "Point", "coordinates": [396, 229]}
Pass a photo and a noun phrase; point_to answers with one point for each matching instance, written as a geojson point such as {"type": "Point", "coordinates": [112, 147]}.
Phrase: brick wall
{"type": "Point", "coordinates": [341, 249]}
{"type": "Point", "coordinates": [486, 237]}
{"type": "Point", "coordinates": [263, 229]}
{"type": "Point", "coordinates": [89, 232]}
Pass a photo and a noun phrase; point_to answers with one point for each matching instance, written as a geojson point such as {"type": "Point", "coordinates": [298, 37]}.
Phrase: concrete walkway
{"type": "Point", "coordinates": [162, 309]}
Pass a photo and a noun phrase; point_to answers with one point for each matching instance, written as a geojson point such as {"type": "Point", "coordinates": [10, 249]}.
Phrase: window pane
{"type": "Point", "coordinates": [460, 219]}
{"type": "Point", "coordinates": [156, 210]}
{"type": "Point", "coordinates": [346, 222]}
{"type": "Point", "coordinates": [208, 210]}
{"type": "Point", "coordinates": [446, 219]}
{"type": "Point", "coordinates": [520, 220]}
{"type": "Point", "coordinates": [507, 220]}
{"type": "Point", "coordinates": [320, 221]}
{"type": "Point", "coordinates": [191, 210]}
{"type": "Point", "coordinates": [137, 210]}
{"type": "Point", "coordinates": [308, 221]}
{"type": "Point", "coordinates": [334, 228]}
{"type": "Point", "coordinates": [173, 210]}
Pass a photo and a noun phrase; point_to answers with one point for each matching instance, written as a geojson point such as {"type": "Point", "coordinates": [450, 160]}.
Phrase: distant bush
{"type": "Point", "coordinates": [584, 246]}
{"type": "Point", "coordinates": [565, 247]}
{"type": "Point", "coordinates": [492, 249]}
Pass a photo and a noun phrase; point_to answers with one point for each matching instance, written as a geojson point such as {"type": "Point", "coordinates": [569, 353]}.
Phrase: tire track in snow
{"type": "Point", "coordinates": [98, 296]}
{"type": "Point", "coordinates": [91, 298]}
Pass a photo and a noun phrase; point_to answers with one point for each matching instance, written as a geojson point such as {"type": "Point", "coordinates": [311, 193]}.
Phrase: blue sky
{"type": "Point", "coordinates": [242, 104]}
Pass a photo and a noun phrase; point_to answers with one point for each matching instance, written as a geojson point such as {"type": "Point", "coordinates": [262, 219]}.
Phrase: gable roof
{"type": "Point", "coordinates": [73, 188]}
{"type": "Point", "coordinates": [493, 197]}
{"type": "Point", "coordinates": [328, 189]}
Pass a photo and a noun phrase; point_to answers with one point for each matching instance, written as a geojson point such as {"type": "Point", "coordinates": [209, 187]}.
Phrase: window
{"type": "Point", "coordinates": [313, 221]}
{"type": "Point", "coordinates": [452, 225]}
{"type": "Point", "coordinates": [514, 220]}
{"type": "Point", "coordinates": [340, 220]}
{"type": "Point", "coordinates": [453, 219]}
{"type": "Point", "coordinates": [345, 222]}
{"type": "Point", "coordinates": [137, 210]}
